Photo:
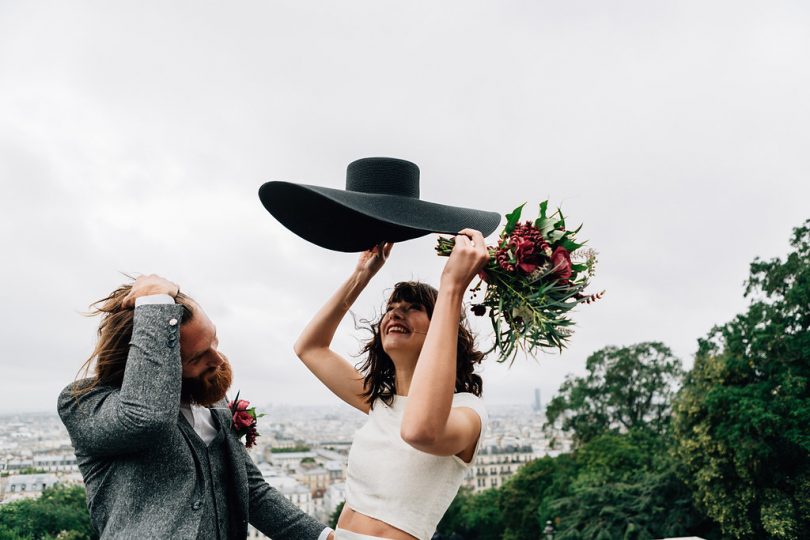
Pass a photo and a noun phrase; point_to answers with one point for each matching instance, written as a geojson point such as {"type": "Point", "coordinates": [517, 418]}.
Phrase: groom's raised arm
{"type": "Point", "coordinates": [108, 420]}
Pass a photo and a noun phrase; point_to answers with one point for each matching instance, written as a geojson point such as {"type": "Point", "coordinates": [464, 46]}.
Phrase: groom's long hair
{"type": "Point", "coordinates": [114, 334]}
{"type": "Point", "coordinates": [379, 374]}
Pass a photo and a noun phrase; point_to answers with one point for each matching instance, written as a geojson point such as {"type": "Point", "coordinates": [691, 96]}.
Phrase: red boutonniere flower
{"type": "Point", "coordinates": [244, 420]}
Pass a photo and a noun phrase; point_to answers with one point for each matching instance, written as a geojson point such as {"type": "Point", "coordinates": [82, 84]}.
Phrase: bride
{"type": "Point", "coordinates": [417, 386]}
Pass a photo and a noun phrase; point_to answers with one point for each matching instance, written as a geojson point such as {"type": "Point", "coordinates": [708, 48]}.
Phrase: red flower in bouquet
{"type": "Point", "coordinates": [244, 420]}
{"type": "Point", "coordinates": [524, 250]}
{"type": "Point", "coordinates": [532, 282]}
{"type": "Point", "coordinates": [561, 264]}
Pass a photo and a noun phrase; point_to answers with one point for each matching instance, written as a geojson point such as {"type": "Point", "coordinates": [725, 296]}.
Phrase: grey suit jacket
{"type": "Point", "coordinates": [138, 467]}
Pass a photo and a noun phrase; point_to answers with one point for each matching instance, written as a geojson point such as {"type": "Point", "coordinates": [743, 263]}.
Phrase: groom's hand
{"type": "Point", "coordinates": [149, 285]}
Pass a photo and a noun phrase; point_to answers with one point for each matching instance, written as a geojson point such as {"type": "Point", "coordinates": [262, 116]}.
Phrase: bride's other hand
{"type": "Point", "coordinates": [373, 259]}
{"type": "Point", "coordinates": [468, 257]}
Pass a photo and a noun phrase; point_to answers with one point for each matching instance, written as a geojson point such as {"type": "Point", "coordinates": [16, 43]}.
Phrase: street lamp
{"type": "Point", "coordinates": [548, 531]}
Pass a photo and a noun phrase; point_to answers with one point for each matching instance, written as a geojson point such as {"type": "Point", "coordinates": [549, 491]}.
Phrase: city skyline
{"type": "Point", "coordinates": [135, 139]}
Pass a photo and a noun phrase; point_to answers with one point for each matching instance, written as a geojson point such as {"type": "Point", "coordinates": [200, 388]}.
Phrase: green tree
{"type": "Point", "coordinates": [7, 533]}
{"type": "Point", "coordinates": [333, 519]}
{"type": "Point", "coordinates": [291, 449]}
{"type": "Point", "coordinates": [627, 487]}
{"type": "Point", "coordinates": [473, 516]}
{"type": "Point", "coordinates": [742, 417]}
{"type": "Point", "coordinates": [626, 388]}
{"type": "Point", "coordinates": [59, 510]}
{"type": "Point", "coordinates": [621, 480]}
{"type": "Point", "coordinates": [527, 499]}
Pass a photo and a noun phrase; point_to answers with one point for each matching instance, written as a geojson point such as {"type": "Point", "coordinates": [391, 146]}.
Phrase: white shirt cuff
{"type": "Point", "coordinates": [325, 533]}
{"type": "Point", "coordinates": [154, 299]}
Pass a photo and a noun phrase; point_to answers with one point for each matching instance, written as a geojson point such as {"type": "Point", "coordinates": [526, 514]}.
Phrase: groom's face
{"type": "Point", "coordinates": [198, 345]}
{"type": "Point", "coordinates": [206, 371]}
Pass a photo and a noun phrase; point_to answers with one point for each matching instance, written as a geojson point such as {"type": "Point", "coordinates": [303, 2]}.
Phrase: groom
{"type": "Point", "coordinates": [158, 459]}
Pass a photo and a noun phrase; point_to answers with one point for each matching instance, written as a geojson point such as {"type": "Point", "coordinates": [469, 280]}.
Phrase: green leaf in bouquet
{"type": "Point", "coordinates": [555, 235]}
{"type": "Point", "coordinates": [513, 218]}
{"type": "Point", "coordinates": [560, 224]}
{"type": "Point", "coordinates": [543, 209]}
{"type": "Point", "coordinates": [570, 245]}
{"type": "Point", "coordinates": [579, 267]}
{"type": "Point", "coordinates": [545, 225]}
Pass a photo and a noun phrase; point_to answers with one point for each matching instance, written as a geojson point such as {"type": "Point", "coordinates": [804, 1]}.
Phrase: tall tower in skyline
{"type": "Point", "coordinates": [537, 406]}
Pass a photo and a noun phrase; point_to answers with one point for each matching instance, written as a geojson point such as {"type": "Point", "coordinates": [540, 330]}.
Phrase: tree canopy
{"type": "Point", "coordinates": [60, 512]}
{"type": "Point", "coordinates": [620, 481]}
{"type": "Point", "coordinates": [626, 388]}
{"type": "Point", "coordinates": [742, 417]}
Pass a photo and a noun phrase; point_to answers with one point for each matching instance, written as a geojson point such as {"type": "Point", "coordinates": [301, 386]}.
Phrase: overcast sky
{"type": "Point", "coordinates": [134, 137]}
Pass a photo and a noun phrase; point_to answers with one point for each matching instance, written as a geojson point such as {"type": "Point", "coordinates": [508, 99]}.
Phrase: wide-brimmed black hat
{"type": "Point", "coordinates": [380, 204]}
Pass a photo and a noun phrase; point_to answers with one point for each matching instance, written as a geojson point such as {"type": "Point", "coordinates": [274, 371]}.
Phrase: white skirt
{"type": "Point", "coordinates": [343, 534]}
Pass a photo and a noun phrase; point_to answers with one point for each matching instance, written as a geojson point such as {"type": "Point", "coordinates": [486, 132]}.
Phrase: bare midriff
{"type": "Point", "coordinates": [363, 524]}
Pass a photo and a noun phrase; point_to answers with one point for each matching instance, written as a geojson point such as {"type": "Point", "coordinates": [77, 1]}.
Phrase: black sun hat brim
{"type": "Point", "coordinates": [350, 221]}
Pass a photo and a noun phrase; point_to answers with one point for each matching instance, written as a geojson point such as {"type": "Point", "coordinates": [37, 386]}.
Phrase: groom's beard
{"type": "Point", "coordinates": [209, 388]}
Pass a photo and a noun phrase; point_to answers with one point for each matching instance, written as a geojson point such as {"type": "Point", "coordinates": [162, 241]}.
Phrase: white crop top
{"type": "Point", "coordinates": [392, 481]}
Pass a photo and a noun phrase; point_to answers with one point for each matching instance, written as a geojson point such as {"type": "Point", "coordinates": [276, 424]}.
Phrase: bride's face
{"type": "Point", "coordinates": [403, 328]}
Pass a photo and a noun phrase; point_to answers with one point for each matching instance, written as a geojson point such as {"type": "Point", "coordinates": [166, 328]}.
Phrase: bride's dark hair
{"type": "Point", "coordinates": [378, 369]}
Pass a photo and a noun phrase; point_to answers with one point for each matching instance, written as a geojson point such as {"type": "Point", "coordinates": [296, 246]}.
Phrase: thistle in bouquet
{"type": "Point", "coordinates": [536, 274]}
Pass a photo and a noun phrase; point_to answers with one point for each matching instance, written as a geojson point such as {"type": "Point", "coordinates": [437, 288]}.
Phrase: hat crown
{"type": "Point", "coordinates": [382, 175]}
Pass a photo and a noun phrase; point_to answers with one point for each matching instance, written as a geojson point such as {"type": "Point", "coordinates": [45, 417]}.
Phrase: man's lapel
{"type": "Point", "coordinates": [236, 456]}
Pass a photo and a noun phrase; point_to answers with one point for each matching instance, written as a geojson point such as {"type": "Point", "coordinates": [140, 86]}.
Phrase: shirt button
{"type": "Point", "coordinates": [173, 322]}
{"type": "Point", "coordinates": [196, 505]}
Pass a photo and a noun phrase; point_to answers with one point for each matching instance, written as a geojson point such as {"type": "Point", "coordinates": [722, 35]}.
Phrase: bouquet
{"type": "Point", "coordinates": [245, 420]}
{"type": "Point", "coordinates": [536, 274]}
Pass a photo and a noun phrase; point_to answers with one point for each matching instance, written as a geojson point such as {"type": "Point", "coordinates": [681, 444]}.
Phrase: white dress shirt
{"type": "Point", "coordinates": [200, 419]}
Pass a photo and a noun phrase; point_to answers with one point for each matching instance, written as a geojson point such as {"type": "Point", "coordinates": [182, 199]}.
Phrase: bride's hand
{"type": "Point", "coordinates": [469, 256]}
{"type": "Point", "coordinates": [373, 259]}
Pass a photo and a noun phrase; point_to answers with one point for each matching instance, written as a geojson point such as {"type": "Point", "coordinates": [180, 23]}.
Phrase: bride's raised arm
{"type": "Point", "coordinates": [429, 423]}
{"type": "Point", "coordinates": [313, 346]}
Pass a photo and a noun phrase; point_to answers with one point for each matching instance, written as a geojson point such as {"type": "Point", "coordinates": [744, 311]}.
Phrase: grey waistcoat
{"type": "Point", "coordinates": [214, 486]}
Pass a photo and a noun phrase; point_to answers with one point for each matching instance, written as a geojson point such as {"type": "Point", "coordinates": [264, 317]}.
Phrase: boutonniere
{"type": "Point", "coordinates": [244, 420]}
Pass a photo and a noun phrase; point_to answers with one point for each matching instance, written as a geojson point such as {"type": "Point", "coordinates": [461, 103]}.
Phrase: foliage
{"type": "Point", "coordinates": [31, 470]}
{"type": "Point", "coordinates": [642, 498]}
{"type": "Point", "coordinates": [60, 511]}
{"type": "Point", "coordinates": [333, 519]}
{"type": "Point", "coordinates": [527, 497]}
{"type": "Point", "coordinates": [621, 481]}
{"type": "Point", "coordinates": [473, 517]}
{"type": "Point", "coordinates": [741, 418]}
{"type": "Point", "coordinates": [290, 450]}
{"type": "Point", "coordinates": [7, 533]}
{"type": "Point", "coordinates": [615, 486]}
{"type": "Point", "coordinates": [626, 388]}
